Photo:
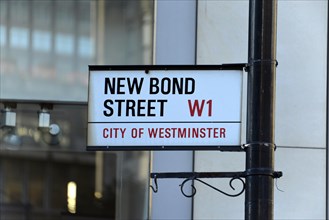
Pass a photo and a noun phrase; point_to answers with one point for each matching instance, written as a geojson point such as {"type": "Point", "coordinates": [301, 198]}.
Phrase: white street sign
{"type": "Point", "coordinates": [163, 107]}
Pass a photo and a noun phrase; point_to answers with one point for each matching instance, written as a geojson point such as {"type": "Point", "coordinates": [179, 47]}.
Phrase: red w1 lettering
{"type": "Point", "coordinates": [197, 107]}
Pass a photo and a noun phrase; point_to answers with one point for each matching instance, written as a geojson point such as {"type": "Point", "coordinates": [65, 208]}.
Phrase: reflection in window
{"type": "Point", "coordinates": [3, 33]}
{"type": "Point", "coordinates": [41, 41]}
{"type": "Point", "coordinates": [36, 178]}
{"type": "Point", "coordinates": [65, 15]}
{"type": "Point", "coordinates": [3, 11]}
{"type": "Point", "coordinates": [19, 37]}
{"type": "Point", "coordinates": [41, 16]}
{"type": "Point", "coordinates": [64, 44]}
{"type": "Point", "coordinates": [61, 38]}
{"type": "Point", "coordinates": [86, 46]}
{"type": "Point", "coordinates": [12, 178]}
{"type": "Point", "coordinates": [46, 49]}
{"type": "Point", "coordinates": [19, 13]}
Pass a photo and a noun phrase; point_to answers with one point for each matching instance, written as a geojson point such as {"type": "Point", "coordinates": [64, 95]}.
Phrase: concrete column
{"type": "Point", "coordinates": [174, 43]}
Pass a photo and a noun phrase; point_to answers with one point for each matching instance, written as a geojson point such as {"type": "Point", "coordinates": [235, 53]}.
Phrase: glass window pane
{"type": "Point", "coordinates": [42, 15]}
{"type": "Point", "coordinates": [19, 12]}
{"type": "Point", "coordinates": [3, 12]}
{"type": "Point", "coordinates": [46, 47]}
{"type": "Point", "coordinates": [13, 181]}
{"type": "Point", "coordinates": [39, 167]}
{"type": "Point", "coordinates": [3, 35]}
{"type": "Point", "coordinates": [86, 46]}
{"type": "Point", "coordinates": [19, 37]}
{"type": "Point", "coordinates": [64, 44]}
{"type": "Point", "coordinates": [37, 184]}
{"type": "Point", "coordinates": [41, 41]}
{"type": "Point", "coordinates": [50, 44]}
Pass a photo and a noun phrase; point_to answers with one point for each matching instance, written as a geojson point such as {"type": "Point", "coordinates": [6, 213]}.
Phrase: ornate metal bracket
{"type": "Point", "coordinates": [211, 186]}
{"type": "Point", "coordinates": [196, 176]}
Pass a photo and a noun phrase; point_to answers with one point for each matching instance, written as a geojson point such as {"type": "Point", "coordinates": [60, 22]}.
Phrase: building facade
{"type": "Point", "coordinates": [46, 47]}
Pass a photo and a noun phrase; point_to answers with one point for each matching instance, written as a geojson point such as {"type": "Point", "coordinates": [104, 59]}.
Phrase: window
{"type": "Point", "coordinates": [46, 47]}
{"type": "Point", "coordinates": [64, 44]}
{"type": "Point", "coordinates": [41, 41]}
{"type": "Point", "coordinates": [3, 35]}
{"type": "Point", "coordinates": [19, 37]}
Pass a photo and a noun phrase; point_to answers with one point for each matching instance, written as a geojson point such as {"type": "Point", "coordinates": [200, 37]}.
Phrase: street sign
{"type": "Point", "coordinates": [164, 107]}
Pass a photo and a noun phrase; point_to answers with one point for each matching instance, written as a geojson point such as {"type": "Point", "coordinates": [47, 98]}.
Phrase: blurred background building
{"type": "Point", "coordinates": [45, 49]}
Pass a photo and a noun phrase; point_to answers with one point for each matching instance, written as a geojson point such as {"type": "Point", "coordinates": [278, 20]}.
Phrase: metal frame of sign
{"type": "Point", "coordinates": [98, 124]}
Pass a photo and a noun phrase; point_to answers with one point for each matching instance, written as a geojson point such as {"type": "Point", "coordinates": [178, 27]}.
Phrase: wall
{"type": "Point", "coordinates": [174, 43]}
{"type": "Point", "coordinates": [300, 105]}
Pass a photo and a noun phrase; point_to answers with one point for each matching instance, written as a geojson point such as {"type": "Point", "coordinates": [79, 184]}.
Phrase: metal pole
{"type": "Point", "coordinates": [260, 110]}
{"type": "Point", "coordinates": [327, 139]}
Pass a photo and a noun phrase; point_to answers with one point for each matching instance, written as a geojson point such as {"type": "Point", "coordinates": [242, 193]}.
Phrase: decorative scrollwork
{"type": "Point", "coordinates": [193, 188]}
{"type": "Point", "coordinates": [197, 176]}
{"type": "Point", "coordinates": [211, 186]}
{"type": "Point", "coordinates": [155, 190]}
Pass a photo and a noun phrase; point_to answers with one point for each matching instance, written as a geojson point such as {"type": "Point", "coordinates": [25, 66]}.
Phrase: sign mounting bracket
{"type": "Point", "coordinates": [197, 176]}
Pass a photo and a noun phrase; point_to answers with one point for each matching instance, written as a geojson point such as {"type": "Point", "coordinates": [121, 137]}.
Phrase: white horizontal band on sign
{"type": "Point", "coordinates": [167, 134]}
